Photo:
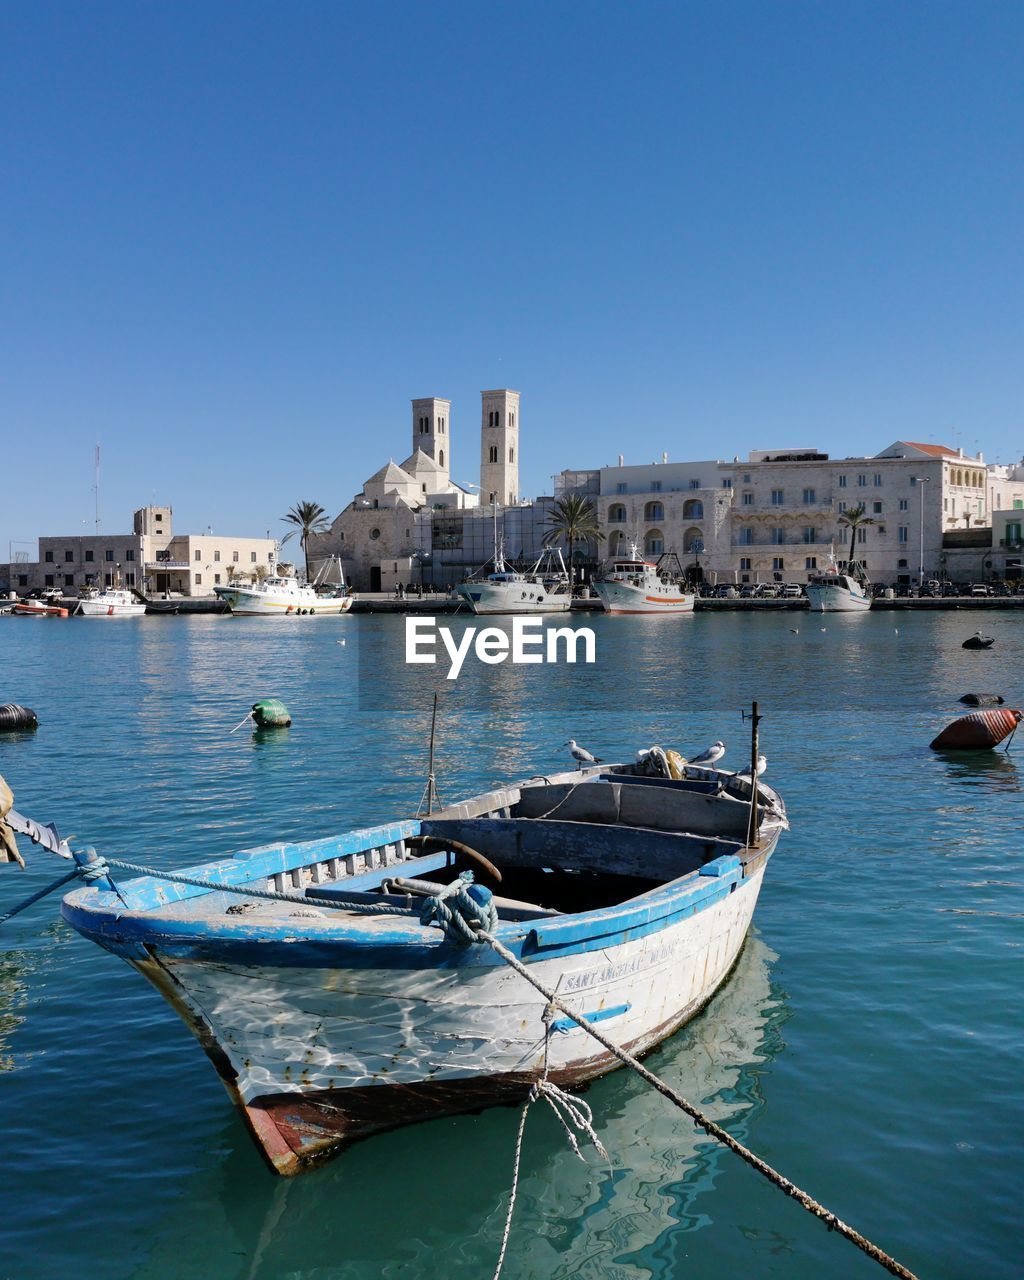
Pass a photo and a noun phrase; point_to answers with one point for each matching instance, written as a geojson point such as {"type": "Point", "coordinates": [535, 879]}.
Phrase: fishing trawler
{"type": "Point", "coordinates": [507, 590]}
{"type": "Point", "coordinates": [282, 596]}
{"type": "Point", "coordinates": [832, 591]}
{"type": "Point", "coordinates": [632, 584]}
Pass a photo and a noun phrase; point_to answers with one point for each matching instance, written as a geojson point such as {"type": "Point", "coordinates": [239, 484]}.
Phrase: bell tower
{"type": "Point", "coordinates": [430, 431]}
{"type": "Point", "coordinates": [499, 447]}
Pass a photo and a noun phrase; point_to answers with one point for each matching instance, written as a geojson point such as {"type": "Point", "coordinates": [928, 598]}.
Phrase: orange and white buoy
{"type": "Point", "coordinates": [978, 730]}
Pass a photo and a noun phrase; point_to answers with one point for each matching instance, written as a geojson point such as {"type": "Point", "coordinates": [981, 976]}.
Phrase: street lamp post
{"type": "Point", "coordinates": [921, 480]}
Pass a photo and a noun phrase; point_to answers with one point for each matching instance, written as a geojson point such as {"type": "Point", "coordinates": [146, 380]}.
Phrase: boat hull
{"type": "Point", "coordinates": [321, 1056]}
{"type": "Point", "coordinates": [483, 598]}
{"type": "Point", "coordinates": [104, 609]}
{"type": "Point", "coordinates": [250, 604]}
{"type": "Point", "coordinates": [623, 597]}
{"type": "Point", "coordinates": [833, 598]}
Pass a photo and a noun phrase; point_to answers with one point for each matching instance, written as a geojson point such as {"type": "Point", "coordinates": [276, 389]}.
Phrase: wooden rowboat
{"type": "Point", "coordinates": [327, 1020]}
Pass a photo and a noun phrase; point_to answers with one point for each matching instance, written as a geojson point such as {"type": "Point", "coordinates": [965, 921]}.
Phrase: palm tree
{"type": "Point", "coordinates": [573, 518]}
{"type": "Point", "coordinates": [853, 520]}
{"type": "Point", "coordinates": [309, 518]}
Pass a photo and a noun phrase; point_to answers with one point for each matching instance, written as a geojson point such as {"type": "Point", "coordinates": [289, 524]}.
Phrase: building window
{"type": "Point", "coordinates": [69, 557]}
{"type": "Point", "coordinates": [234, 557]}
{"type": "Point", "coordinates": [746, 538]}
{"type": "Point", "coordinates": [109, 557]}
{"type": "Point", "coordinates": [654, 543]}
{"type": "Point", "coordinates": [374, 534]}
{"type": "Point", "coordinates": [1018, 504]}
{"type": "Point", "coordinates": [693, 509]}
{"type": "Point", "coordinates": [654, 511]}
{"type": "Point", "coordinates": [904, 504]}
{"type": "Point", "coordinates": [842, 507]}
{"type": "Point", "coordinates": [902, 564]}
{"type": "Point", "coordinates": [616, 513]}
{"type": "Point", "coordinates": [744, 564]}
{"type": "Point", "coordinates": [108, 579]}
{"type": "Point", "coordinates": [861, 481]}
{"type": "Point", "coordinates": [748, 498]}
{"type": "Point", "coordinates": [778, 497]}
{"type": "Point", "coordinates": [862, 535]}
{"type": "Point", "coordinates": [727, 482]}
{"type": "Point", "coordinates": [842, 482]}
{"type": "Point", "coordinates": [216, 557]}
{"type": "Point", "coordinates": [778, 563]}
{"type": "Point", "coordinates": [810, 533]}
{"type": "Point", "coordinates": [811, 562]}
{"type": "Point", "coordinates": [492, 453]}
{"type": "Point", "coordinates": [88, 556]}
{"type": "Point", "coordinates": [252, 557]}
{"type": "Point", "coordinates": [511, 454]}
{"type": "Point", "coordinates": [22, 579]}
{"type": "Point", "coordinates": [655, 486]}
{"type": "Point", "coordinates": [913, 480]}
{"type": "Point", "coordinates": [48, 557]}
{"type": "Point", "coordinates": [69, 579]}
{"type": "Point", "coordinates": [199, 579]}
{"type": "Point", "coordinates": [878, 480]}
{"type": "Point", "coordinates": [904, 533]}
{"type": "Point", "coordinates": [778, 536]}
{"type": "Point", "coordinates": [129, 579]}
{"type": "Point", "coordinates": [216, 579]}
{"type": "Point", "coordinates": [809, 498]}
{"type": "Point", "coordinates": [620, 487]}
{"type": "Point", "coordinates": [199, 555]}
{"type": "Point", "coordinates": [746, 479]}
{"type": "Point", "coordinates": [129, 553]}
{"type": "Point", "coordinates": [694, 484]}
{"type": "Point", "coordinates": [876, 508]}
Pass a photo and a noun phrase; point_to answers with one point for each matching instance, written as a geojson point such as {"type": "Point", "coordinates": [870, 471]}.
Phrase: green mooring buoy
{"type": "Point", "coordinates": [270, 713]}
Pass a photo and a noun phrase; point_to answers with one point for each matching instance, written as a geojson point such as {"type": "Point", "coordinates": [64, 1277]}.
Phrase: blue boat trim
{"type": "Point", "coordinates": [565, 1025]}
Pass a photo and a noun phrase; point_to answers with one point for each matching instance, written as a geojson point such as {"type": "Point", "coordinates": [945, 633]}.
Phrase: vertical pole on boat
{"type": "Point", "coordinates": [753, 821]}
{"type": "Point", "coordinates": [431, 787]}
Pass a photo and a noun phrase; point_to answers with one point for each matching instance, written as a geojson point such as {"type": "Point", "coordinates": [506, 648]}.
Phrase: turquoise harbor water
{"type": "Point", "coordinates": [869, 1043]}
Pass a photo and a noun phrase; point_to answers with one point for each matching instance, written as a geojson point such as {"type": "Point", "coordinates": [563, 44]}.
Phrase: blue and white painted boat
{"type": "Point", "coordinates": [628, 892]}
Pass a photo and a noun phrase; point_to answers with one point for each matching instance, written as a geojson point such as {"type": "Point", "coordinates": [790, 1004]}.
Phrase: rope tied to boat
{"type": "Point", "coordinates": [463, 909]}
{"type": "Point", "coordinates": [569, 1111]}
{"type": "Point", "coordinates": [713, 1130]}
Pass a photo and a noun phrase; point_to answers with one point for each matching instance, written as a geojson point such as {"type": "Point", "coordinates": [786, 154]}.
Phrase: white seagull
{"type": "Point", "coordinates": [580, 754]}
{"type": "Point", "coordinates": [762, 764]}
{"type": "Point", "coordinates": [710, 757]}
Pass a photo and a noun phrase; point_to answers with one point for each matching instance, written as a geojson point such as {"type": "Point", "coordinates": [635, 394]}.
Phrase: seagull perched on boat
{"type": "Point", "coordinates": [762, 764]}
{"type": "Point", "coordinates": [710, 757]}
{"type": "Point", "coordinates": [580, 754]}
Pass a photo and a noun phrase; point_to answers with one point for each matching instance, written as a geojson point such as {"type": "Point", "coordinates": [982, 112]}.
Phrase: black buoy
{"type": "Point", "coordinates": [978, 641]}
{"type": "Point", "coordinates": [14, 717]}
{"type": "Point", "coordinates": [983, 699]}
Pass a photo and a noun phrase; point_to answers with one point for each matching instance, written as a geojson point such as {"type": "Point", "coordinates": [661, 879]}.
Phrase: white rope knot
{"type": "Point", "coordinates": [570, 1111]}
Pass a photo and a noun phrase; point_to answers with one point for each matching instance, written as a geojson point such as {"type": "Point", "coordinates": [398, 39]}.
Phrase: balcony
{"type": "Point", "coordinates": [791, 544]}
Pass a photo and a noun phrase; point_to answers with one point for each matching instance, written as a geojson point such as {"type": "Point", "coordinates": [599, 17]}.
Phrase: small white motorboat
{"type": "Point", "coordinates": [111, 603]}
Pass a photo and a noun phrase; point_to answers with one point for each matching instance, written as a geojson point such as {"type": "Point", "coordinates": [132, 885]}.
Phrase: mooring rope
{"type": "Point", "coordinates": [712, 1129]}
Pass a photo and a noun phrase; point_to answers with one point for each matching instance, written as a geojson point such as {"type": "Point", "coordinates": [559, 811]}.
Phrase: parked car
{"type": "Point", "coordinates": [792, 591]}
{"type": "Point", "coordinates": [980, 589]}
{"type": "Point", "coordinates": [1001, 589]}
{"type": "Point", "coordinates": [950, 589]}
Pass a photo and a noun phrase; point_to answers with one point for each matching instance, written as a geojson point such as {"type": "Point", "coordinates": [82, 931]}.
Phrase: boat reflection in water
{"type": "Point", "coordinates": [570, 1218]}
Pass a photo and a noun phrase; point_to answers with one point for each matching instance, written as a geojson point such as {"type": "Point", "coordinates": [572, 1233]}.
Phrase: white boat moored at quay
{"type": "Point", "coordinates": [111, 603]}
{"type": "Point", "coordinates": [631, 584]}
{"type": "Point", "coordinates": [282, 596]}
{"type": "Point", "coordinates": [509, 591]}
{"type": "Point", "coordinates": [834, 592]}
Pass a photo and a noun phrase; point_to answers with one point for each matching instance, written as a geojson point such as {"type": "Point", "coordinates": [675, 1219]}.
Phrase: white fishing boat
{"type": "Point", "coordinates": [631, 584]}
{"type": "Point", "coordinates": [508, 591]}
{"type": "Point", "coordinates": [282, 596]}
{"type": "Point", "coordinates": [315, 976]}
{"type": "Point", "coordinates": [113, 602]}
{"type": "Point", "coordinates": [832, 591]}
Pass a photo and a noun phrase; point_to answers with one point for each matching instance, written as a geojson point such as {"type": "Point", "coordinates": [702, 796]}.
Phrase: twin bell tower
{"type": "Point", "coordinates": [499, 442]}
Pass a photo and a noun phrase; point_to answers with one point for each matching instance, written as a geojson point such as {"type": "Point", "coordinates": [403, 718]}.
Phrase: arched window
{"type": "Point", "coordinates": [654, 511]}
{"type": "Point", "coordinates": [511, 454]}
{"type": "Point", "coordinates": [440, 457]}
{"type": "Point", "coordinates": [617, 514]}
{"type": "Point", "coordinates": [654, 542]}
{"type": "Point", "coordinates": [492, 453]}
{"type": "Point", "coordinates": [692, 536]}
{"type": "Point", "coordinates": [616, 542]}
{"type": "Point", "coordinates": [693, 509]}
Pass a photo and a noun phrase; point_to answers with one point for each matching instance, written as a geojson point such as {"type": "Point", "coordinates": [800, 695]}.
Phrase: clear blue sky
{"type": "Point", "coordinates": [238, 239]}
